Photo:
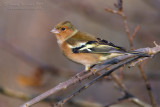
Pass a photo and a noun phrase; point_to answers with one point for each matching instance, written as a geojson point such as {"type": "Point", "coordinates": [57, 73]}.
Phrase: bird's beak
{"type": "Point", "coordinates": [54, 30]}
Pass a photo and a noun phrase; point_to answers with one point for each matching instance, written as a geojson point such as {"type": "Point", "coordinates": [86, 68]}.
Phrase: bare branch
{"type": "Point", "coordinates": [135, 31]}
{"type": "Point", "coordinates": [128, 96]}
{"type": "Point", "coordinates": [113, 11]}
{"type": "Point", "coordinates": [148, 86]}
{"type": "Point", "coordinates": [130, 38]}
{"type": "Point", "coordinates": [107, 73]}
{"type": "Point", "coordinates": [119, 5]}
{"type": "Point", "coordinates": [75, 79]}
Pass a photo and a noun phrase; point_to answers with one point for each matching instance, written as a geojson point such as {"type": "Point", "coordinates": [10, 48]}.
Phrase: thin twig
{"type": "Point", "coordinates": [135, 31]}
{"type": "Point", "coordinates": [133, 100]}
{"type": "Point", "coordinates": [139, 102]}
{"type": "Point", "coordinates": [121, 13]}
{"type": "Point", "coordinates": [130, 98]}
{"type": "Point", "coordinates": [148, 86]}
{"type": "Point", "coordinates": [130, 38]}
{"type": "Point", "coordinates": [118, 81]}
{"type": "Point", "coordinates": [120, 5]}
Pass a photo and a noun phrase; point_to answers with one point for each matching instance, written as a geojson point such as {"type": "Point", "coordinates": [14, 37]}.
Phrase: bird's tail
{"type": "Point", "coordinates": [139, 53]}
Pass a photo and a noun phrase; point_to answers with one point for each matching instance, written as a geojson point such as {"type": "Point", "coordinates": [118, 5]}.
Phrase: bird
{"type": "Point", "coordinates": [84, 48]}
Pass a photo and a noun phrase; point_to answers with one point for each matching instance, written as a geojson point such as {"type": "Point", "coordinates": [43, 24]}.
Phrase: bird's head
{"type": "Point", "coordinates": [64, 30]}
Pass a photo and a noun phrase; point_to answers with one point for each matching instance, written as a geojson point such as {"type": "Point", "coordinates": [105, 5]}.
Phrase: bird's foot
{"type": "Point", "coordinates": [94, 71]}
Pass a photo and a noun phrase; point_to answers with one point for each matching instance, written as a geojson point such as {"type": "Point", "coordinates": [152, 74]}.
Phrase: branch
{"type": "Point", "coordinates": [147, 84]}
{"type": "Point", "coordinates": [128, 96]}
{"type": "Point", "coordinates": [124, 17]}
{"type": "Point", "coordinates": [107, 73]}
{"type": "Point", "coordinates": [130, 39]}
{"type": "Point", "coordinates": [133, 100]}
{"type": "Point", "coordinates": [79, 76]}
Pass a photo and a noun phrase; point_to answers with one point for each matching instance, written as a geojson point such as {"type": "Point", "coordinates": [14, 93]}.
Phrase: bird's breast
{"type": "Point", "coordinates": [82, 58]}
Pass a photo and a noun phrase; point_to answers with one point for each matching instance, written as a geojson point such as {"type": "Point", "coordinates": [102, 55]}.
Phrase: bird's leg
{"type": "Point", "coordinates": [93, 70]}
{"type": "Point", "coordinates": [87, 68]}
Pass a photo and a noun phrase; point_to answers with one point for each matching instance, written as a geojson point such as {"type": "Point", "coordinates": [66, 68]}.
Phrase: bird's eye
{"type": "Point", "coordinates": [63, 28]}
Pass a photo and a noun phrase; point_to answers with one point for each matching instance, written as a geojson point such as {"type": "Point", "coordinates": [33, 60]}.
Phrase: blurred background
{"type": "Point", "coordinates": [28, 49]}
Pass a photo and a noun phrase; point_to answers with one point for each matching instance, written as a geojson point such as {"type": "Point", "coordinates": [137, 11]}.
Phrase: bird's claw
{"type": "Point", "coordinates": [94, 71]}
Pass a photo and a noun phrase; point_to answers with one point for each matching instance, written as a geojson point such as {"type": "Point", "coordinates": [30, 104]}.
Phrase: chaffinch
{"type": "Point", "coordinates": [84, 48]}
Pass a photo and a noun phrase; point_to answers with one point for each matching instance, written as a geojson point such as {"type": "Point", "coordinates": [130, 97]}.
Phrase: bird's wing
{"type": "Point", "coordinates": [98, 46]}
